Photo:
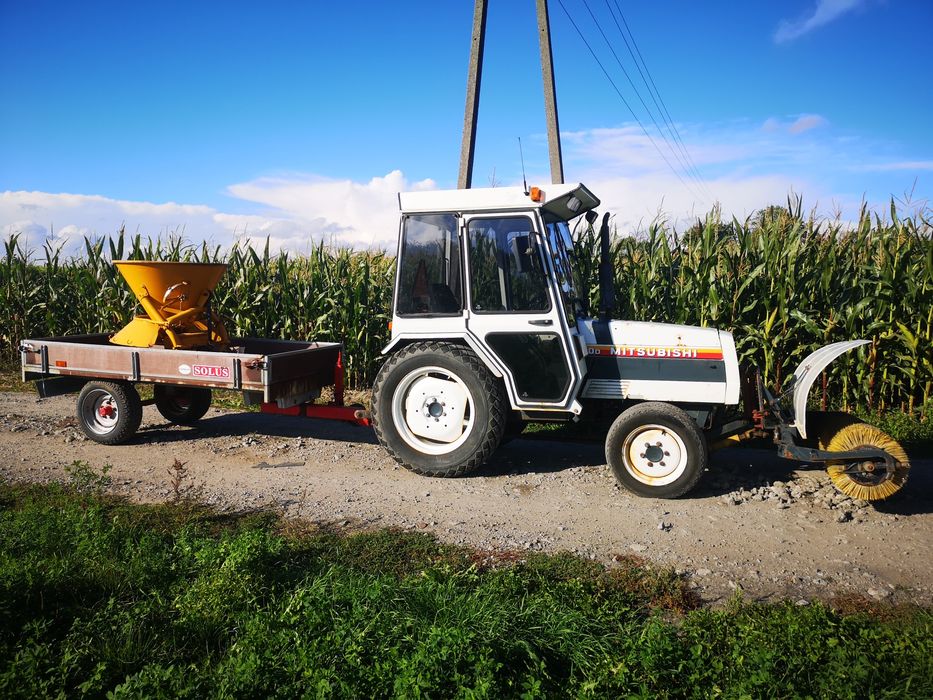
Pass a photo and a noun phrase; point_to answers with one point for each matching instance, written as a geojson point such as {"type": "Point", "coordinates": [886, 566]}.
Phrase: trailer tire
{"type": "Point", "coordinates": [656, 450]}
{"type": "Point", "coordinates": [400, 422]}
{"type": "Point", "coordinates": [109, 412]}
{"type": "Point", "coordinates": [182, 405]}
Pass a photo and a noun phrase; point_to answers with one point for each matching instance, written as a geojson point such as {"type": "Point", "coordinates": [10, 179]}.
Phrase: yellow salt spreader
{"type": "Point", "coordinates": [175, 297]}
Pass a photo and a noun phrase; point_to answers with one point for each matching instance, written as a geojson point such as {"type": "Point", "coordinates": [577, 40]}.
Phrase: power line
{"type": "Point", "coordinates": [671, 148]}
{"type": "Point", "coordinates": [624, 101]}
{"type": "Point", "coordinates": [662, 108]}
{"type": "Point", "coordinates": [656, 96]}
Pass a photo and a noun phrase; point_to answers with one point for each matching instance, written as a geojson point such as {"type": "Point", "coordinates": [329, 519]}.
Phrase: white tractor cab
{"type": "Point", "coordinates": [489, 331]}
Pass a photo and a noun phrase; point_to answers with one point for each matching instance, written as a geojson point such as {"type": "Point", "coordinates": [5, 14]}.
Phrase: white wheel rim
{"type": "Point", "coordinates": [654, 455]}
{"type": "Point", "coordinates": [100, 411]}
{"type": "Point", "coordinates": [412, 409]}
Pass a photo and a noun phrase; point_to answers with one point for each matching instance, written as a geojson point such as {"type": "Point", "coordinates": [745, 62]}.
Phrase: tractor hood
{"type": "Point", "coordinates": [659, 362]}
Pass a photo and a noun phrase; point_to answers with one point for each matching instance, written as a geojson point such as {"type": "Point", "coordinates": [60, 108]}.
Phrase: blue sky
{"type": "Point", "coordinates": [299, 120]}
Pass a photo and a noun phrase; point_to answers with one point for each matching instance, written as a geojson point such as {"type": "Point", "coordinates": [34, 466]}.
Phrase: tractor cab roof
{"type": "Point", "coordinates": [564, 201]}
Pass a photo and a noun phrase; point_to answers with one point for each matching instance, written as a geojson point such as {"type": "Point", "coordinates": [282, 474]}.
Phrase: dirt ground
{"type": "Point", "coordinates": [770, 528]}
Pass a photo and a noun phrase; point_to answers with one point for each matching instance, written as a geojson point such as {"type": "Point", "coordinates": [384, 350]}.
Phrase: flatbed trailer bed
{"type": "Point", "coordinates": [282, 376]}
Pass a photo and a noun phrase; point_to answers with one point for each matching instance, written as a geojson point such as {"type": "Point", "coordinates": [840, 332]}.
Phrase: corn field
{"type": "Point", "coordinates": [783, 283]}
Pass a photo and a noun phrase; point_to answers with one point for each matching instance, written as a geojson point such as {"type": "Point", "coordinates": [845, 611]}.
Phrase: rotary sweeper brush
{"type": "Point", "coordinates": [488, 332]}
{"type": "Point", "coordinates": [841, 432]}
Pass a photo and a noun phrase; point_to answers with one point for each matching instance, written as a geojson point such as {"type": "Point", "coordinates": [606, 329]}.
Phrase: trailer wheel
{"type": "Point", "coordinates": [109, 412]}
{"type": "Point", "coordinates": [437, 409]}
{"type": "Point", "coordinates": [656, 450]}
{"type": "Point", "coordinates": [182, 405]}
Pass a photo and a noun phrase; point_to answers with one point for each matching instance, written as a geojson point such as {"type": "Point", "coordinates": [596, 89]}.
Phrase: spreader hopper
{"type": "Point", "coordinates": [175, 297]}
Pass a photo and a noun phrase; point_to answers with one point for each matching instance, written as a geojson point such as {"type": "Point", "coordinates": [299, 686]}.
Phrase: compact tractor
{"type": "Point", "coordinates": [490, 330]}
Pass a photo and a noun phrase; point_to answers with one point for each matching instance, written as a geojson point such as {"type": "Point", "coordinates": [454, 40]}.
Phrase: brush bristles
{"type": "Point", "coordinates": [862, 435]}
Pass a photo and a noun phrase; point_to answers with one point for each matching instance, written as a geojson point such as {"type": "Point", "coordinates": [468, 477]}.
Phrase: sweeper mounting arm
{"type": "Point", "coordinates": [862, 461]}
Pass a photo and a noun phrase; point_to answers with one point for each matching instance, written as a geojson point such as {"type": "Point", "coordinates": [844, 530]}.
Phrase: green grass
{"type": "Point", "coordinates": [98, 596]}
{"type": "Point", "coordinates": [11, 379]}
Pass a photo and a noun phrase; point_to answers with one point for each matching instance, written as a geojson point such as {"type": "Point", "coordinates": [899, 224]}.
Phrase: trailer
{"type": "Point", "coordinates": [281, 376]}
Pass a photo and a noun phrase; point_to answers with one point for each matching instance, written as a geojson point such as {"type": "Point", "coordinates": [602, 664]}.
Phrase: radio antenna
{"type": "Point", "coordinates": [522, 156]}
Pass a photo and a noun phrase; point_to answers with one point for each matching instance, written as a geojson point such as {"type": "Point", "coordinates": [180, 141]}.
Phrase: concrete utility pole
{"type": "Point", "coordinates": [550, 97]}
{"type": "Point", "coordinates": [474, 76]}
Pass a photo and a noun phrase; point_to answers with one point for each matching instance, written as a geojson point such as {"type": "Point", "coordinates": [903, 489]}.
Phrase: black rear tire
{"type": "Point", "coordinates": [109, 412]}
{"type": "Point", "coordinates": [514, 427]}
{"type": "Point", "coordinates": [182, 405]}
{"type": "Point", "coordinates": [656, 450]}
{"type": "Point", "coordinates": [403, 414]}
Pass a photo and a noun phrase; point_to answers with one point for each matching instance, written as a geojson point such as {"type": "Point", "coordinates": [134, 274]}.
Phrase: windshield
{"type": "Point", "coordinates": [561, 244]}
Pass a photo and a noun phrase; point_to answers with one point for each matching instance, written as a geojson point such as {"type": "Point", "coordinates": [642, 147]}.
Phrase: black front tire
{"type": "Point", "coordinates": [109, 412]}
{"type": "Point", "coordinates": [182, 405]}
{"type": "Point", "coordinates": [656, 450]}
{"type": "Point", "coordinates": [398, 379]}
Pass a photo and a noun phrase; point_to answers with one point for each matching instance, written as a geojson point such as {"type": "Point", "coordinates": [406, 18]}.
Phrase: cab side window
{"type": "Point", "coordinates": [429, 277]}
{"type": "Point", "coordinates": [506, 267]}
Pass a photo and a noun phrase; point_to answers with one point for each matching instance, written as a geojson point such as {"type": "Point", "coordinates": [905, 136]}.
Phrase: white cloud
{"type": "Point", "coordinates": [359, 214]}
{"type": "Point", "coordinates": [771, 124]}
{"type": "Point", "coordinates": [298, 212]}
{"type": "Point", "coordinates": [637, 201]}
{"type": "Point", "coordinates": [744, 166]}
{"type": "Point", "coordinates": [629, 149]}
{"type": "Point", "coordinates": [825, 12]}
{"type": "Point", "coordinates": [65, 219]}
{"type": "Point", "coordinates": [806, 122]}
{"type": "Point", "coordinates": [895, 166]}
{"type": "Point", "coordinates": [717, 150]}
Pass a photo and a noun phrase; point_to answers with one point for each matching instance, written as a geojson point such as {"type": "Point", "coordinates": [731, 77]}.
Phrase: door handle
{"type": "Point", "coordinates": [542, 322]}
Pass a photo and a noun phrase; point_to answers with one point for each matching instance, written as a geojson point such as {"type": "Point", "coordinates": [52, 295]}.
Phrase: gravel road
{"type": "Point", "coordinates": [770, 528]}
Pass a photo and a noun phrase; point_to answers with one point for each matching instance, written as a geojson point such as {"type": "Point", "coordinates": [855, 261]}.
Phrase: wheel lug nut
{"type": "Point", "coordinates": [658, 444]}
{"type": "Point", "coordinates": [642, 455]}
{"type": "Point", "coordinates": [661, 463]}
{"type": "Point", "coordinates": [666, 453]}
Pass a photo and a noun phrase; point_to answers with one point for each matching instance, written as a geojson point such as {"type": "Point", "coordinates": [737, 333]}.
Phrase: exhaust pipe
{"type": "Point", "coordinates": [606, 291]}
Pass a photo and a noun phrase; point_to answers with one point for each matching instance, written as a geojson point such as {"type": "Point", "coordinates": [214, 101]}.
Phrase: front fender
{"type": "Point", "coordinates": [807, 372]}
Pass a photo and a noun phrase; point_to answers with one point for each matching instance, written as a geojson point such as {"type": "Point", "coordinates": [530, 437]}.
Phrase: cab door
{"type": "Point", "coordinates": [514, 312]}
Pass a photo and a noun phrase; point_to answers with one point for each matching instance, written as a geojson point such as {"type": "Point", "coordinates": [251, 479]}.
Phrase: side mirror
{"type": "Point", "coordinates": [591, 216]}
